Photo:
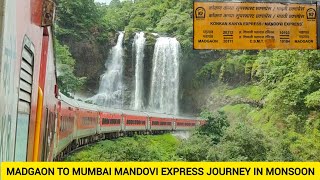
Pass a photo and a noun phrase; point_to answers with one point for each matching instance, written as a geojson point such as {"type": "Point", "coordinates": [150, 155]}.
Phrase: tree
{"type": "Point", "coordinates": [215, 126]}
{"type": "Point", "coordinates": [77, 19]}
{"type": "Point", "coordinates": [195, 148]}
{"type": "Point", "coordinates": [67, 81]}
{"type": "Point", "coordinates": [240, 143]}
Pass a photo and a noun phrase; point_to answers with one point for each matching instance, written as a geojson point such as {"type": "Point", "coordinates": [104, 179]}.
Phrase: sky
{"type": "Point", "coordinates": [103, 1]}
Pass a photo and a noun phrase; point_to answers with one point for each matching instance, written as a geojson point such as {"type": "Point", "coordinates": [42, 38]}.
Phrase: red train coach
{"type": "Point", "coordinates": [26, 43]}
{"type": "Point", "coordinates": [87, 122]}
{"type": "Point", "coordinates": [161, 122]}
{"type": "Point", "coordinates": [157, 123]}
{"type": "Point", "coordinates": [185, 124]}
{"type": "Point", "coordinates": [111, 124]}
{"type": "Point", "coordinates": [135, 121]}
{"type": "Point", "coordinates": [66, 127]}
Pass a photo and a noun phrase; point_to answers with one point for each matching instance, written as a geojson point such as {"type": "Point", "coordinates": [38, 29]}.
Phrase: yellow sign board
{"type": "Point", "coordinates": [160, 171]}
{"type": "Point", "coordinates": [220, 25]}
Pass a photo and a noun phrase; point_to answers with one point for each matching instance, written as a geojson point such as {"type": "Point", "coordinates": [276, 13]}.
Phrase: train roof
{"type": "Point", "coordinates": [93, 107]}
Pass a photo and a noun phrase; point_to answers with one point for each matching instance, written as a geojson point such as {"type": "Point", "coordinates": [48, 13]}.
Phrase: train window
{"type": "Point", "coordinates": [189, 124]}
{"type": "Point", "coordinates": [63, 124]}
{"type": "Point", "coordinates": [115, 121]}
{"type": "Point", "coordinates": [60, 128]}
{"type": "Point", "coordinates": [169, 123]}
{"type": "Point", "coordinates": [66, 120]}
{"type": "Point", "coordinates": [24, 100]}
{"type": "Point", "coordinates": [135, 122]}
{"type": "Point", "coordinates": [180, 124]}
{"type": "Point", "coordinates": [72, 122]}
{"type": "Point", "coordinates": [105, 121]}
{"type": "Point", "coordinates": [155, 122]}
{"type": "Point", "coordinates": [85, 121]}
{"type": "Point", "coordinates": [69, 123]}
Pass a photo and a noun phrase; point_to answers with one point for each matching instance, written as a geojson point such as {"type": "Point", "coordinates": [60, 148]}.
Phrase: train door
{"type": "Point", "coordinates": [48, 119]}
{"type": "Point", "coordinates": [49, 132]}
{"type": "Point", "coordinates": [44, 140]}
{"type": "Point", "coordinates": [24, 100]}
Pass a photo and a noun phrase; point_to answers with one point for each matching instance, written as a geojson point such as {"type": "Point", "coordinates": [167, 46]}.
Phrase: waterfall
{"type": "Point", "coordinates": [138, 48]}
{"type": "Point", "coordinates": [111, 85]}
{"type": "Point", "coordinates": [165, 76]}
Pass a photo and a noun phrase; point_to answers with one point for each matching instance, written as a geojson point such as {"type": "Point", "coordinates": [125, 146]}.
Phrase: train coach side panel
{"type": "Point", "coordinates": [185, 124]}
{"type": "Point", "coordinates": [135, 123]}
{"type": "Point", "coordinates": [110, 122]}
{"type": "Point", "coordinates": [161, 123]}
{"type": "Point", "coordinates": [87, 122]}
{"type": "Point", "coordinates": [65, 127]}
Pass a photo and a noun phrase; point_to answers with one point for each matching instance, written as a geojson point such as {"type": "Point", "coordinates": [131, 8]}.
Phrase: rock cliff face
{"type": "Point", "coordinates": [90, 58]}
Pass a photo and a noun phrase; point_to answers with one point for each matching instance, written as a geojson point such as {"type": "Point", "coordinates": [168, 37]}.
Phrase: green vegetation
{"type": "Point", "coordinates": [68, 82]}
{"type": "Point", "coordinates": [276, 96]}
{"type": "Point", "coordinates": [250, 92]}
{"type": "Point", "coordinates": [137, 148]}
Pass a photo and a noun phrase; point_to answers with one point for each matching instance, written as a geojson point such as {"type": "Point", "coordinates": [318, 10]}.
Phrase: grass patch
{"type": "Point", "coordinates": [250, 92]}
{"type": "Point", "coordinates": [238, 112]}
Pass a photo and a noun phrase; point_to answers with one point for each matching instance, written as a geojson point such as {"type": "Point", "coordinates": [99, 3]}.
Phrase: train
{"type": "Point", "coordinates": [37, 122]}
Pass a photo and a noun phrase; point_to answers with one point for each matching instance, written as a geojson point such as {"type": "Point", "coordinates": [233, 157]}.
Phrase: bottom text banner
{"type": "Point", "coordinates": [157, 170]}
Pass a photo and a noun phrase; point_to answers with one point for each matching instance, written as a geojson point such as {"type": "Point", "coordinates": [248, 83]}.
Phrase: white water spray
{"type": "Point", "coordinates": [138, 47]}
{"type": "Point", "coordinates": [165, 76]}
{"type": "Point", "coordinates": [111, 84]}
